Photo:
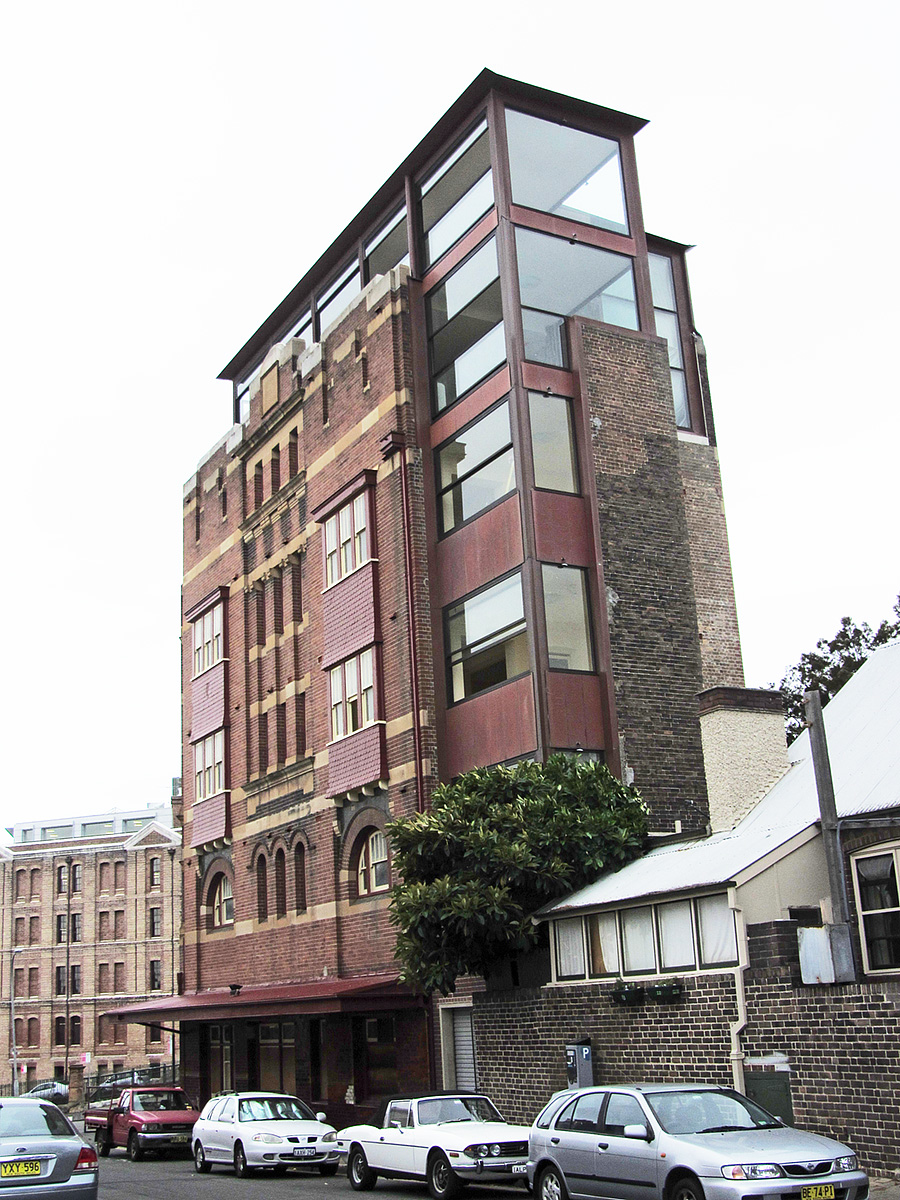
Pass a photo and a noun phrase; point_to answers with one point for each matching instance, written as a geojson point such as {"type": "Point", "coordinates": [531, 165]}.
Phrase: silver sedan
{"type": "Point", "coordinates": [41, 1153]}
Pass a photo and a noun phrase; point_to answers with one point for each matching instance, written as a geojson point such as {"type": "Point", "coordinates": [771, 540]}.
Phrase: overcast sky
{"type": "Point", "coordinates": [173, 169]}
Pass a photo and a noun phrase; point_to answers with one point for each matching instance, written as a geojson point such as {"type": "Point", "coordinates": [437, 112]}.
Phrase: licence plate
{"type": "Point", "coordinates": [519, 1169]}
{"type": "Point", "coordinates": [305, 1152]}
{"type": "Point", "coordinates": [180, 1137]}
{"type": "Point", "coordinates": [818, 1191]}
{"type": "Point", "coordinates": [16, 1170]}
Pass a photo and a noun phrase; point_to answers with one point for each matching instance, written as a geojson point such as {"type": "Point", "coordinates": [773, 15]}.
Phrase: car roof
{"type": "Point", "coordinates": [403, 1097]}
{"type": "Point", "coordinates": [647, 1087]}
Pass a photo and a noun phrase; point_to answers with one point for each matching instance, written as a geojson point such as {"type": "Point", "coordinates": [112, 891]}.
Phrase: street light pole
{"type": "Point", "coordinates": [12, 1016]}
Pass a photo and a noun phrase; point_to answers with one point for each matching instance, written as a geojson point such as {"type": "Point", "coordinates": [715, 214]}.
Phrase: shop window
{"type": "Point", "coordinates": [487, 639]}
{"type": "Point", "coordinates": [372, 867]}
{"type": "Point", "coordinates": [665, 312]}
{"type": "Point", "coordinates": [222, 902]}
{"type": "Point", "coordinates": [567, 172]}
{"type": "Point", "coordinates": [457, 194]}
{"type": "Point", "coordinates": [207, 632]}
{"type": "Point", "coordinates": [552, 442]}
{"type": "Point", "coordinates": [465, 326]}
{"type": "Point", "coordinates": [568, 618]}
{"type": "Point", "coordinates": [558, 279]}
{"type": "Point", "coordinates": [476, 468]}
{"type": "Point", "coordinates": [878, 899]}
{"type": "Point", "coordinates": [352, 694]}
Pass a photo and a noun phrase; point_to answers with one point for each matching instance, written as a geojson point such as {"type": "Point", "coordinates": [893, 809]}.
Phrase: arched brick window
{"type": "Point", "coordinates": [300, 877]}
{"type": "Point", "coordinates": [262, 889]}
{"type": "Point", "coordinates": [222, 907]}
{"type": "Point", "coordinates": [280, 884]}
{"type": "Point", "coordinates": [372, 863]}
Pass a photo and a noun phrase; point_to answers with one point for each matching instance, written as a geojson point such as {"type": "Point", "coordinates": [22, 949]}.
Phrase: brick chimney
{"type": "Point", "coordinates": [744, 749]}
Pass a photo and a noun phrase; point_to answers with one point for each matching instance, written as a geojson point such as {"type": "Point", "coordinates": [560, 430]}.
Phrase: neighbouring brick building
{"type": "Point", "coordinates": [91, 918]}
{"type": "Point", "coordinates": [468, 510]}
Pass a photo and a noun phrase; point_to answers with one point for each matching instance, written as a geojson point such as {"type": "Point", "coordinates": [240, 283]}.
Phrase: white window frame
{"type": "Point", "coordinates": [209, 765]}
{"type": "Point", "coordinates": [352, 684]}
{"type": "Point", "coordinates": [208, 644]}
{"type": "Point", "coordinates": [873, 852]}
{"type": "Point", "coordinates": [346, 539]}
{"type": "Point", "coordinates": [372, 853]}
{"type": "Point", "coordinates": [222, 893]}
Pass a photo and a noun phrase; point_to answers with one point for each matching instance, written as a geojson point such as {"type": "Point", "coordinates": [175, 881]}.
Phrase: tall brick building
{"type": "Point", "coordinates": [468, 510]}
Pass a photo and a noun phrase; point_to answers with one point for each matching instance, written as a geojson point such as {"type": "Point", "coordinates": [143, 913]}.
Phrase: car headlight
{"type": "Point", "coordinates": [150, 1128]}
{"type": "Point", "coordinates": [848, 1163]}
{"type": "Point", "coordinates": [328, 1137]}
{"type": "Point", "coordinates": [752, 1171]}
{"type": "Point", "coordinates": [271, 1139]}
{"type": "Point", "coordinates": [479, 1151]}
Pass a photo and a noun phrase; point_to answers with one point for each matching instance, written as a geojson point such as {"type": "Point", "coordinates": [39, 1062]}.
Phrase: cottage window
{"type": "Point", "coordinates": [878, 897]}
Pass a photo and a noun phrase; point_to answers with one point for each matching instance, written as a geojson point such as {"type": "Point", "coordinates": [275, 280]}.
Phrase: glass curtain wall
{"type": "Point", "coordinates": [456, 195]}
{"type": "Point", "coordinates": [665, 313]}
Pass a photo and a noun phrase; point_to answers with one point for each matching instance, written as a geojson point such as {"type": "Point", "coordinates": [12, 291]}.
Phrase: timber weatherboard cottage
{"type": "Point", "coordinates": [468, 511]}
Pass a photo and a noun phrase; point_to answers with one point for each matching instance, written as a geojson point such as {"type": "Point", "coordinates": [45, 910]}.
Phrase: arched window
{"type": "Point", "coordinates": [75, 1031]}
{"type": "Point", "coordinates": [372, 872]}
{"type": "Point", "coordinates": [34, 1031]}
{"type": "Point", "coordinates": [300, 877]}
{"type": "Point", "coordinates": [280, 884]}
{"type": "Point", "coordinates": [59, 1031]}
{"type": "Point", "coordinates": [262, 889]}
{"type": "Point", "coordinates": [222, 903]}
{"type": "Point", "coordinates": [20, 1031]}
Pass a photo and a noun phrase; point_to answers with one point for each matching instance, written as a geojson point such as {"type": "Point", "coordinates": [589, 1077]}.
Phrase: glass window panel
{"type": "Point", "coordinates": [563, 278]}
{"type": "Point", "coordinates": [487, 639]}
{"type": "Point", "coordinates": [389, 248]}
{"type": "Point", "coordinates": [337, 703]}
{"type": "Point", "coordinates": [459, 289]}
{"type": "Point", "coordinates": [667, 327]}
{"type": "Point", "coordinates": [622, 1110]}
{"type": "Point", "coordinates": [545, 338]}
{"type": "Point", "coordinates": [568, 620]}
{"type": "Point", "coordinates": [662, 286]}
{"type": "Point", "coordinates": [676, 936]}
{"type": "Point", "coordinates": [604, 943]}
{"type": "Point", "coordinates": [882, 940]}
{"type": "Point", "coordinates": [565, 171]}
{"type": "Point", "coordinates": [476, 467]}
{"type": "Point", "coordinates": [569, 948]}
{"type": "Point", "coordinates": [457, 194]}
{"type": "Point", "coordinates": [303, 329]}
{"type": "Point", "coordinates": [474, 363]}
{"type": "Point", "coordinates": [552, 442]}
{"type": "Point", "coordinates": [680, 399]}
{"type": "Point", "coordinates": [717, 938]}
{"type": "Point", "coordinates": [338, 298]}
{"type": "Point", "coordinates": [877, 878]}
{"type": "Point", "coordinates": [637, 939]}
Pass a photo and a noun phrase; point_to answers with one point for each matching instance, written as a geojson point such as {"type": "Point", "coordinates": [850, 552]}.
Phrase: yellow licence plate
{"type": "Point", "coordinates": [14, 1170]}
{"type": "Point", "coordinates": [818, 1191]}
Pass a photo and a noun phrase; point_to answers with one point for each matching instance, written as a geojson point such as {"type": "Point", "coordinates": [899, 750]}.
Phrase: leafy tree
{"type": "Point", "coordinates": [497, 844]}
{"type": "Point", "coordinates": [833, 662]}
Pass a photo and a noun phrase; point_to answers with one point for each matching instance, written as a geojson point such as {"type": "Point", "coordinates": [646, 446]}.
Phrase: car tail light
{"type": "Point", "coordinates": [87, 1159]}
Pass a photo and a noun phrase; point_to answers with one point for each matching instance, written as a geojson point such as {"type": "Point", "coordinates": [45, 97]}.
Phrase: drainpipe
{"type": "Point", "coordinates": [68, 955]}
{"type": "Point", "coordinates": [395, 443]}
{"type": "Point", "coordinates": [736, 1028]}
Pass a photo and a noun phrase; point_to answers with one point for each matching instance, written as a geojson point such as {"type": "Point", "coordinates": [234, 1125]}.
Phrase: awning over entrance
{"type": "Point", "coordinates": [274, 1000]}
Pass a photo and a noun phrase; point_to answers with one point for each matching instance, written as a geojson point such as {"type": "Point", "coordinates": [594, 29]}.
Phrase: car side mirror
{"type": "Point", "coordinates": [321, 1117]}
{"type": "Point", "coordinates": [640, 1133]}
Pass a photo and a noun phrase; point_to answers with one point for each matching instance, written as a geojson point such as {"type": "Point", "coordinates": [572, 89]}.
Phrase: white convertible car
{"type": "Point", "coordinates": [447, 1140]}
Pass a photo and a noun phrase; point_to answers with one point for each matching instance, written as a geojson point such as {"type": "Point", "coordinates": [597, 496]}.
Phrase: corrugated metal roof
{"type": "Point", "coordinates": [862, 725]}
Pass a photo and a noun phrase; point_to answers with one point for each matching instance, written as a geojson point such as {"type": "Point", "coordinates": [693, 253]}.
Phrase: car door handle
{"type": "Point", "coordinates": [603, 1145]}
{"type": "Point", "coordinates": [555, 1141]}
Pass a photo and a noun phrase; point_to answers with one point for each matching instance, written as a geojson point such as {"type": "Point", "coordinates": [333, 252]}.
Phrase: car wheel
{"type": "Point", "coordinates": [135, 1153]}
{"type": "Point", "coordinates": [328, 1168]}
{"type": "Point", "coordinates": [201, 1166]}
{"type": "Point", "coordinates": [442, 1181]}
{"type": "Point", "coordinates": [102, 1142]}
{"type": "Point", "coordinates": [362, 1177]}
{"type": "Point", "coordinates": [686, 1188]}
{"type": "Point", "coordinates": [551, 1185]}
{"type": "Point", "coordinates": [240, 1162]}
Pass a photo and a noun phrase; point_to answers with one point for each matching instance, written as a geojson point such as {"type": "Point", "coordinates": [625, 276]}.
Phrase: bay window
{"type": "Point", "coordinates": [346, 539]}
{"type": "Point", "coordinates": [207, 639]}
{"type": "Point", "coordinates": [209, 765]}
{"type": "Point", "coordinates": [353, 694]}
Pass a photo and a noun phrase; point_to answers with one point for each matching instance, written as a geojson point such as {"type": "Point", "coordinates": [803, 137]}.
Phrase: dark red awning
{"type": "Point", "coordinates": [367, 993]}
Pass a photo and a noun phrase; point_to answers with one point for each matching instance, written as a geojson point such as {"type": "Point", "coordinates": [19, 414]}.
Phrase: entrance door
{"type": "Point", "coordinates": [463, 1049]}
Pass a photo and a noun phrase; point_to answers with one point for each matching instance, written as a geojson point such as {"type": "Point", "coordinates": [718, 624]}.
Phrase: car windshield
{"type": "Point", "coordinates": [708, 1111]}
{"type": "Point", "coordinates": [274, 1108]}
{"type": "Point", "coordinates": [442, 1109]}
{"type": "Point", "coordinates": [33, 1120]}
{"type": "Point", "coordinates": [161, 1101]}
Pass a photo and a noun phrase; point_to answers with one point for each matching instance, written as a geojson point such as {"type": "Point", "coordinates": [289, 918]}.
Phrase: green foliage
{"type": "Point", "coordinates": [831, 664]}
{"type": "Point", "coordinates": [498, 844]}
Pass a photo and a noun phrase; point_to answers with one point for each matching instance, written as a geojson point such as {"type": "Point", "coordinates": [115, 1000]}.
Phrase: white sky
{"type": "Point", "coordinates": [173, 169]}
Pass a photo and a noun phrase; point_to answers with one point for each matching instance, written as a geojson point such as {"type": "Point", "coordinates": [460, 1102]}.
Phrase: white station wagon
{"type": "Point", "coordinates": [446, 1140]}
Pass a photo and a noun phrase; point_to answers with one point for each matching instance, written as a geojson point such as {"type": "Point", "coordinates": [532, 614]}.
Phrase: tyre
{"type": "Point", "coordinates": [685, 1188]}
{"type": "Point", "coordinates": [201, 1166]}
{"type": "Point", "coordinates": [442, 1180]}
{"type": "Point", "coordinates": [362, 1177]}
{"type": "Point", "coordinates": [135, 1153]}
{"type": "Point", "coordinates": [328, 1168]}
{"type": "Point", "coordinates": [102, 1143]}
{"type": "Point", "coordinates": [240, 1162]}
{"type": "Point", "coordinates": [551, 1185]}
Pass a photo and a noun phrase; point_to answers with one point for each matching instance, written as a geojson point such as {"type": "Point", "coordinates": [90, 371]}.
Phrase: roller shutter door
{"type": "Point", "coordinates": [464, 1049]}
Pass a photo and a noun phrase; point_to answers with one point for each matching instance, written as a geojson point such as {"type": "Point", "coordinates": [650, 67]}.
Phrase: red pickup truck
{"type": "Point", "coordinates": [142, 1118]}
